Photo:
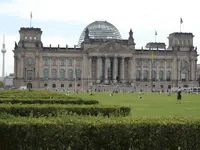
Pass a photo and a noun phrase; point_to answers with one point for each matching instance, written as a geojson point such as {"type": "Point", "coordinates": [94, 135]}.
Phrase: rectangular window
{"type": "Point", "coordinates": [62, 63]}
{"type": "Point", "coordinates": [46, 63]}
{"type": "Point", "coordinates": [53, 63]}
{"type": "Point", "coordinates": [29, 74]}
{"type": "Point", "coordinates": [70, 62]}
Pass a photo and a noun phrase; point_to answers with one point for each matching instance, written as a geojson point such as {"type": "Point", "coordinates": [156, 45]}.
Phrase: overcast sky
{"type": "Point", "coordinates": [62, 21]}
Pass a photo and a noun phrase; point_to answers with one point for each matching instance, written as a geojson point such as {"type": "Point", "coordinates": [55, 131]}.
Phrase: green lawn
{"type": "Point", "coordinates": [151, 104]}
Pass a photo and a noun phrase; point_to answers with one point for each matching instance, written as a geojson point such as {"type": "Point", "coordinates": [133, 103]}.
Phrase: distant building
{"type": "Point", "coordinates": [8, 80]}
{"type": "Point", "coordinates": [2, 79]}
{"type": "Point", "coordinates": [104, 58]}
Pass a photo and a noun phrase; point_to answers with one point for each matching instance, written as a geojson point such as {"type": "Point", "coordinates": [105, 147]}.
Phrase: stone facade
{"type": "Point", "coordinates": [104, 62]}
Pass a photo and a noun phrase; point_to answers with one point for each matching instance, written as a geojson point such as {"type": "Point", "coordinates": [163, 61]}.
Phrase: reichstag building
{"type": "Point", "coordinates": [103, 59]}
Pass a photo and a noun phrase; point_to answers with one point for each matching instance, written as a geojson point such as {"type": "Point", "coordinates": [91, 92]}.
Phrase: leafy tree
{"type": "Point", "coordinates": [1, 84]}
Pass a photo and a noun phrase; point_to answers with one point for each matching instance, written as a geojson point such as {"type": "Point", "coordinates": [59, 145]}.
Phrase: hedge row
{"type": "Point", "coordinates": [37, 110]}
{"type": "Point", "coordinates": [17, 97]}
{"type": "Point", "coordinates": [32, 93]}
{"type": "Point", "coordinates": [50, 101]}
{"type": "Point", "coordinates": [95, 133]}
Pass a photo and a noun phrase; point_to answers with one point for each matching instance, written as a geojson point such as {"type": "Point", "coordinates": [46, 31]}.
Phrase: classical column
{"type": "Point", "coordinates": [150, 70]}
{"type": "Point", "coordinates": [98, 69]}
{"type": "Point", "coordinates": [132, 66]}
{"type": "Point", "coordinates": [165, 70]}
{"type": "Point", "coordinates": [22, 67]}
{"type": "Point", "coordinates": [174, 69]}
{"type": "Point", "coordinates": [178, 70]}
{"type": "Point", "coordinates": [106, 70]}
{"type": "Point", "coordinates": [15, 67]}
{"type": "Point", "coordinates": [74, 74]}
{"type": "Point", "coordinates": [74, 68]}
{"type": "Point", "coordinates": [90, 68]}
{"type": "Point", "coordinates": [141, 70]}
{"type": "Point", "coordinates": [157, 70]}
{"type": "Point", "coordinates": [115, 70]}
{"type": "Point", "coordinates": [50, 67]}
{"type": "Point", "coordinates": [192, 70]}
{"type": "Point", "coordinates": [36, 66]}
{"type": "Point", "coordinates": [195, 70]}
{"type": "Point", "coordinates": [66, 68]}
{"type": "Point", "coordinates": [122, 70]}
{"type": "Point", "coordinates": [58, 68]}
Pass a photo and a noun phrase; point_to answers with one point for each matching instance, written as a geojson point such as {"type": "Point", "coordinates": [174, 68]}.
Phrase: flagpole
{"type": "Point", "coordinates": [181, 21]}
{"type": "Point", "coordinates": [155, 35]}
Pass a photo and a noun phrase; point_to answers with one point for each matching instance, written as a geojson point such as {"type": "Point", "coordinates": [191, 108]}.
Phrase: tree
{"type": "Point", "coordinates": [1, 84]}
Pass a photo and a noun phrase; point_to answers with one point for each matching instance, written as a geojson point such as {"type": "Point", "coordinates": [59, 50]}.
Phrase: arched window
{"type": "Point", "coordinates": [70, 74]}
{"type": "Point", "coordinates": [29, 61]}
{"type": "Point", "coordinates": [45, 74]}
{"type": "Point", "coordinates": [183, 76]}
{"type": "Point", "coordinates": [53, 74]}
{"type": "Point", "coordinates": [168, 76]}
{"type": "Point", "coordinates": [145, 75]}
{"type": "Point", "coordinates": [78, 74]}
{"type": "Point", "coordinates": [62, 74]}
{"type": "Point", "coordinates": [161, 75]}
{"type": "Point", "coordinates": [154, 75]}
{"type": "Point", "coordinates": [137, 75]}
{"type": "Point", "coordinates": [45, 61]}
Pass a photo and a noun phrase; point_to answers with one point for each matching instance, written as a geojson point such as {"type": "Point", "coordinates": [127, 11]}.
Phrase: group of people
{"type": "Point", "coordinates": [179, 94]}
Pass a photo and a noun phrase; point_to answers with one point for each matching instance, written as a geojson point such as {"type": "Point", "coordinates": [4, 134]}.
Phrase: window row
{"type": "Point", "coordinates": [155, 63]}
{"type": "Point", "coordinates": [55, 62]}
{"type": "Point", "coordinates": [61, 85]}
{"type": "Point", "coordinates": [146, 75]}
{"type": "Point", "coordinates": [30, 38]}
{"type": "Point", "coordinates": [62, 75]}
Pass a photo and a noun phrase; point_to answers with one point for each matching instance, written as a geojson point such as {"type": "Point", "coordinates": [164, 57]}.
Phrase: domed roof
{"type": "Point", "coordinates": [100, 30]}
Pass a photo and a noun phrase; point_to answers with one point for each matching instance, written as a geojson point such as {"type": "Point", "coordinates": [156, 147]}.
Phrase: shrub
{"type": "Point", "coordinates": [54, 110]}
{"type": "Point", "coordinates": [98, 132]}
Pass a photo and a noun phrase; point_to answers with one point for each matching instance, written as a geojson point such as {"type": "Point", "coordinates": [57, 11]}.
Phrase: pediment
{"type": "Point", "coordinates": [110, 47]}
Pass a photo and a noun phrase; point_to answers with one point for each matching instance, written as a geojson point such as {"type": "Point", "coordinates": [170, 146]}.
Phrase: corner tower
{"type": "Point", "coordinates": [30, 37]}
{"type": "Point", "coordinates": [181, 41]}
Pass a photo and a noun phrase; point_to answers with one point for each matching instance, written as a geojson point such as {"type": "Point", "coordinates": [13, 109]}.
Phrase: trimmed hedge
{"type": "Point", "coordinates": [56, 110]}
{"type": "Point", "coordinates": [50, 101]}
{"type": "Point", "coordinates": [33, 94]}
{"type": "Point", "coordinates": [95, 133]}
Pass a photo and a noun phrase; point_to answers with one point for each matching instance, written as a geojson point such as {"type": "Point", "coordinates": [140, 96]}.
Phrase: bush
{"type": "Point", "coordinates": [50, 101]}
{"type": "Point", "coordinates": [54, 110]}
{"type": "Point", "coordinates": [97, 132]}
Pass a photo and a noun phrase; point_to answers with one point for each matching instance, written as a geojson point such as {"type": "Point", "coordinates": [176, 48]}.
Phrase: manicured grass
{"type": "Point", "coordinates": [151, 104]}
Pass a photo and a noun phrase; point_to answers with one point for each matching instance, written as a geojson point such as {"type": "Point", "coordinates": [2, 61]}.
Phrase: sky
{"type": "Point", "coordinates": [62, 21]}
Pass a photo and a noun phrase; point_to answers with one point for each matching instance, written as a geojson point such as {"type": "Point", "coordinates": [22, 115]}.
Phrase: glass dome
{"type": "Point", "coordinates": [100, 30]}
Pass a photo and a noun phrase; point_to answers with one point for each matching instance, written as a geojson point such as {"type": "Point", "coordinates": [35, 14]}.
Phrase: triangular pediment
{"type": "Point", "coordinates": [110, 47]}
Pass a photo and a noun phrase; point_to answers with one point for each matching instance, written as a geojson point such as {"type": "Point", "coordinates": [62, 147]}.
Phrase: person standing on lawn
{"type": "Point", "coordinates": [179, 95]}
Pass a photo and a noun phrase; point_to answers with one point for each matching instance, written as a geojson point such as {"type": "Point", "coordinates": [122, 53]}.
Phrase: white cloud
{"type": "Point", "coordinates": [143, 16]}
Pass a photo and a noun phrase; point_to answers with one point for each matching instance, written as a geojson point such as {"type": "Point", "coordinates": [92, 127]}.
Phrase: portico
{"type": "Point", "coordinates": [108, 69]}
